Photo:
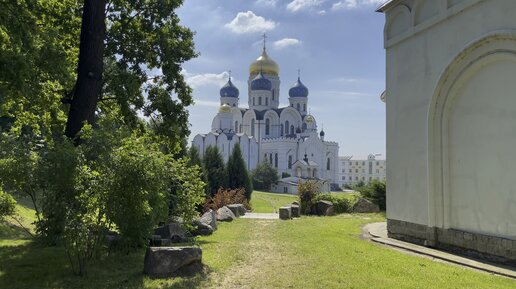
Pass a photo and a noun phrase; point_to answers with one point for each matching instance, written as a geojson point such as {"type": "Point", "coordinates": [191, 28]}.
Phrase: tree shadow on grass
{"type": "Point", "coordinates": [32, 266]}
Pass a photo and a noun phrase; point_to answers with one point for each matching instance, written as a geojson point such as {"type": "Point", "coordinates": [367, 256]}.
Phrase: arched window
{"type": "Point", "coordinates": [298, 107]}
{"type": "Point", "coordinates": [276, 160]}
{"type": "Point", "coordinates": [254, 102]}
{"type": "Point", "coordinates": [273, 94]}
{"type": "Point", "coordinates": [267, 126]}
{"type": "Point", "coordinates": [236, 126]}
{"type": "Point", "coordinates": [314, 173]}
{"type": "Point", "coordinates": [266, 101]}
{"type": "Point", "coordinates": [287, 125]}
{"type": "Point", "coordinates": [270, 159]}
{"type": "Point", "coordinates": [328, 164]}
{"type": "Point", "coordinates": [292, 131]}
{"type": "Point", "coordinates": [260, 100]}
{"type": "Point", "coordinates": [252, 127]}
{"type": "Point", "coordinates": [304, 126]}
{"type": "Point", "coordinates": [281, 129]}
{"type": "Point", "coordinates": [304, 107]}
{"type": "Point", "coordinates": [289, 162]}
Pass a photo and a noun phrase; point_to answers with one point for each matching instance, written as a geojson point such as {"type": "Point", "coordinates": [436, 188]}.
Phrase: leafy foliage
{"type": "Point", "coordinates": [340, 205]}
{"type": "Point", "coordinates": [375, 191]}
{"type": "Point", "coordinates": [307, 192]}
{"type": "Point", "coordinates": [227, 197]}
{"type": "Point", "coordinates": [264, 175]}
{"type": "Point", "coordinates": [7, 204]}
{"type": "Point", "coordinates": [237, 174]}
{"type": "Point", "coordinates": [215, 170]}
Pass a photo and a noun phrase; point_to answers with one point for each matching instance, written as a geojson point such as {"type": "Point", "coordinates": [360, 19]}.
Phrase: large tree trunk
{"type": "Point", "coordinates": [90, 67]}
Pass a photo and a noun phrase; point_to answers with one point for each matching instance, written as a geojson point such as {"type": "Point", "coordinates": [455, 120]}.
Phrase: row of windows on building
{"type": "Point", "coordinates": [350, 163]}
{"type": "Point", "coordinates": [360, 178]}
{"type": "Point", "coordinates": [357, 170]}
{"type": "Point", "coordinates": [274, 157]}
{"type": "Point", "coordinates": [286, 129]}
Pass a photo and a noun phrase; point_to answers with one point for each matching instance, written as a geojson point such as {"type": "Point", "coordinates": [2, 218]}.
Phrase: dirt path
{"type": "Point", "coordinates": [260, 257]}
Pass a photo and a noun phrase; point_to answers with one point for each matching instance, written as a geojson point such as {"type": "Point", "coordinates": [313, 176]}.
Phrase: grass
{"type": "Point", "coordinates": [310, 252]}
{"type": "Point", "coordinates": [263, 202]}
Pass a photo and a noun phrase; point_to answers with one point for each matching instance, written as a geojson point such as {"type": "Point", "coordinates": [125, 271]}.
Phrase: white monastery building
{"type": "Point", "coordinates": [287, 137]}
{"type": "Point", "coordinates": [451, 124]}
{"type": "Point", "coordinates": [352, 171]}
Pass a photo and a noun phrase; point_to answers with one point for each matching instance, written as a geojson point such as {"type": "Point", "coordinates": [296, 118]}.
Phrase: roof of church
{"type": "Point", "coordinates": [229, 90]}
{"type": "Point", "coordinates": [386, 5]}
{"type": "Point", "coordinates": [298, 90]}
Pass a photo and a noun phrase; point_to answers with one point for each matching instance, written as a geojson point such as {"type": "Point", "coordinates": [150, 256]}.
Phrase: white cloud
{"type": "Point", "coordinates": [297, 5]}
{"type": "Point", "coordinates": [286, 42]}
{"type": "Point", "coordinates": [248, 22]}
{"type": "Point", "coordinates": [321, 12]}
{"type": "Point", "coordinates": [198, 80]}
{"type": "Point", "coordinates": [269, 3]}
{"type": "Point", "coordinates": [353, 4]}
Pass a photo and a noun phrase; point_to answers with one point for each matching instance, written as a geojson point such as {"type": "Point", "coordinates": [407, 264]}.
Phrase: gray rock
{"type": "Point", "coordinates": [295, 203]}
{"type": "Point", "coordinates": [237, 209]}
{"type": "Point", "coordinates": [173, 232]}
{"type": "Point", "coordinates": [209, 218]}
{"type": "Point", "coordinates": [285, 213]}
{"type": "Point", "coordinates": [323, 208]}
{"type": "Point", "coordinates": [225, 215]}
{"type": "Point", "coordinates": [202, 229]}
{"type": "Point", "coordinates": [165, 262]}
{"type": "Point", "coordinates": [365, 206]}
{"type": "Point", "coordinates": [296, 212]}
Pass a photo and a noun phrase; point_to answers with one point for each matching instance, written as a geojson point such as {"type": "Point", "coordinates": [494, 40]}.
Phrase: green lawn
{"type": "Point", "coordinates": [310, 252]}
{"type": "Point", "coordinates": [262, 202]}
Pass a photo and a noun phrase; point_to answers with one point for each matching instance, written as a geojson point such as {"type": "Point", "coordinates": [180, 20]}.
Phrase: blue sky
{"type": "Point", "coordinates": [337, 45]}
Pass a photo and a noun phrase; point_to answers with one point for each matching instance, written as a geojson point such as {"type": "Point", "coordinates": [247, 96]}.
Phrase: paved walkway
{"type": "Point", "coordinates": [377, 232]}
{"type": "Point", "coordinates": [261, 216]}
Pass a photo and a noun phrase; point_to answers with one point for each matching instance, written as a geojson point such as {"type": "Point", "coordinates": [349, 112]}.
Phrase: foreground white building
{"type": "Point", "coordinates": [352, 171]}
{"type": "Point", "coordinates": [287, 137]}
{"type": "Point", "coordinates": [451, 124]}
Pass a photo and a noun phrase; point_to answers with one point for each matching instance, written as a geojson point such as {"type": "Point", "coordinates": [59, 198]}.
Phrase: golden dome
{"type": "Point", "coordinates": [309, 119]}
{"type": "Point", "coordinates": [225, 108]}
{"type": "Point", "coordinates": [265, 64]}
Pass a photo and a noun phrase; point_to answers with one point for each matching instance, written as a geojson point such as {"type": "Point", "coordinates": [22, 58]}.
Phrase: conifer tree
{"type": "Point", "coordinates": [214, 170]}
{"type": "Point", "coordinates": [237, 175]}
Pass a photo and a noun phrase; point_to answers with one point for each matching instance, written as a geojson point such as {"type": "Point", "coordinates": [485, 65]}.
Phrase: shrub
{"type": "Point", "coordinates": [285, 175]}
{"type": "Point", "coordinates": [307, 192]}
{"type": "Point", "coordinates": [225, 197]}
{"type": "Point", "coordinates": [214, 170]}
{"type": "Point", "coordinates": [237, 175]}
{"type": "Point", "coordinates": [340, 205]}
{"type": "Point", "coordinates": [264, 175]}
{"type": "Point", "coordinates": [7, 204]}
{"type": "Point", "coordinates": [375, 191]}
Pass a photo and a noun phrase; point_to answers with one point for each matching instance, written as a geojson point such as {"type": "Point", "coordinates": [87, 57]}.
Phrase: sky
{"type": "Point", "coordinates": [336, 44]}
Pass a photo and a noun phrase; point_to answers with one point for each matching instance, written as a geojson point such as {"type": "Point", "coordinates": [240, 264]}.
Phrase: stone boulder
{"type": "Point", "coordinates": [209, 218]}
{"type": "Point", "coordinates": [296, 211]}
{"type": "Point", "coordinates": [323, 208]}
{"type": "Point", "coordinates": [225, 215]}
{"type": "Point", "coordinates": [165, 262]}
{"type": "Point", "coordinates": [173, 232]}
{"type": "Point", "coordinates": [285, 213]}
{"type": "Point", "coordinates": [296, 203]}
{"type": "Point", "coordinates": [365, 206]}
{"type": "Point", "coordinates": [237, 209]}
{"type": "Point", "coordinates": [202, 229]}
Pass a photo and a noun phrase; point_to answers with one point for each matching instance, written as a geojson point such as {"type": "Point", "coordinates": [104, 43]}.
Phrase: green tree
{"type": "Point", "coordinates": [237, 174]}
{"type": "Point", "coordinates": [194, 157]}
{"type": "Point", "coordinates": [264, 175]}
{"type": "Point", "coordinates": [375, 191]}
{"type": "Point", "coordinates": [215, 170]}
{"type": "Point", "coordinates": [7, 204]}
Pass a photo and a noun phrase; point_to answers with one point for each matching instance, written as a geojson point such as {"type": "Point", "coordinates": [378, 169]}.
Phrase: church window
{"type": "Point", "coordinates": [292, 105]}
{"type": "Point", "coordinates": [267, 127]}
{"type": "Point", "coordinates": [287, 125]}
{"type": "Point", "coordinates": [298, 108]}
{"type": "Point", "coordinates": [281, 129]}
{"type": "Point", "coordinates": [270, 159]}
{"type": "Point", "coordinates": [304, 107]}
{"type": "Point", "coordinates": [236, 126]}
{"type": "Point", "coordinates": [328, 162]}
{"type": "Point", "coordinates": [289, 162]}
{"type": "Point", "coordinates": [276, 160]}
{"type": "Point", "coordinates": [254, 102]}
{"type": "Point", "coordinates": [292, 129]}
{"type": "Point", "coordinates": [266, 101]}
{"type": "Point", "coordinates": [304, 126]}
{"type": "Point", "coordinates": [273, 94]}
{"type": "Point", "coordinates": [252, 127]}
{"type": "Point", "coordinates": [260, 100]}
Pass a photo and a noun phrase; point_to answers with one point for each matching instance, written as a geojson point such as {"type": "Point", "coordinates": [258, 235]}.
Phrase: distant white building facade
{"type": "Point", "coordinates": [352, 171]}
{"type": "Point", "coordinates": [451, 124]}
{"type": "Point", "coordinates": [286, 137]}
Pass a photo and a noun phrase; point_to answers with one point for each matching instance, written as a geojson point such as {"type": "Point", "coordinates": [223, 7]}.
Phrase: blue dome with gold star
{"type": "Point", "coordinates": [229, 90]}
{"type": "Point", "coordinates": [298, 90]}
{"type": "Point", "coordinates": [261, 83]}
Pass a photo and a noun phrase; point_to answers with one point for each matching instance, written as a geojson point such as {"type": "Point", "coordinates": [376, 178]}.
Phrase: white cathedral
{"type": "Point", "coordinates": [286, 137]}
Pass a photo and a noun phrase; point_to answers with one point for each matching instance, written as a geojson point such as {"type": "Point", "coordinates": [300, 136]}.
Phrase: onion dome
{"type": "Point", "coordinates": [309, 119]}
{"type": "Point", "coordinates": [264, 64]}
{"type": "Point", "coordinates": [322, 133]}
{"type": "Point", "coordinates": [298, 90]}
{"type": "Point", "coordinates": [229, 90]}
{"type": "Point", "coordinates": [261, 83]}
{"type": "Point", "coordinates": [225, 108]}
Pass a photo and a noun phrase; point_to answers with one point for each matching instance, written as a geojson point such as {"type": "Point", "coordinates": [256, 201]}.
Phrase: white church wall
{"type": "Point", "coordinates": [416, 60]}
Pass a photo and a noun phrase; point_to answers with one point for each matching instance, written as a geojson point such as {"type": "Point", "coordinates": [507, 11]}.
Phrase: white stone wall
{"type": "Point", "coordinates": [451, 114]}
